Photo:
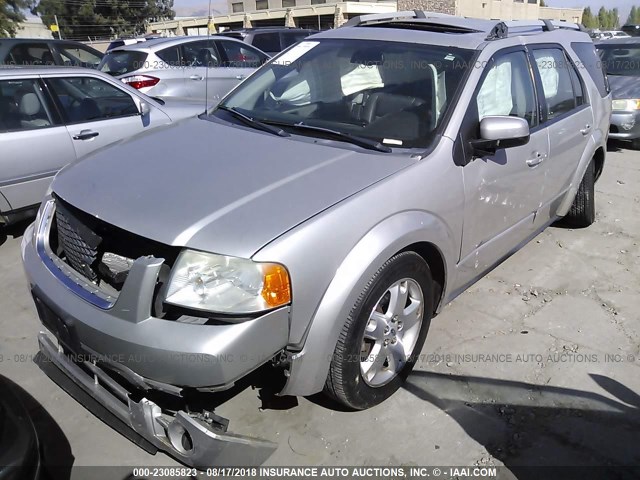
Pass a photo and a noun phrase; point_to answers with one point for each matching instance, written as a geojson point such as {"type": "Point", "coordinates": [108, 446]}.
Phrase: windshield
{"type": "Point", "coordinates": [621, 60]}
{"type": "Point", "coordinates": [393, 93]}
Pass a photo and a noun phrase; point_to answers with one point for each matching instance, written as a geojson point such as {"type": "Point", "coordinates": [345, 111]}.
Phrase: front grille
{"type": "Point", "coordinates": [80, 245]}
{"type": "Point", "coordinates": [613, 129]}
{"type": "Point", "coordinates": [100, 252]}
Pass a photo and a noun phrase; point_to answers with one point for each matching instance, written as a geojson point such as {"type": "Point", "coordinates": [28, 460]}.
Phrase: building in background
{"type": "Point", "coordinates": [494, 9]}
{"type": "Point", "coordinates": [33, 27]}
{"type": "Point", "coordinates": [323, 14]}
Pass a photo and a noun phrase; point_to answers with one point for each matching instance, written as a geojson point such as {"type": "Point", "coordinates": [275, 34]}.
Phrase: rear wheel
{"type": "Point", "coordinates": [583, 210]}
{"type": "Point", "coordinates": [384, 333]}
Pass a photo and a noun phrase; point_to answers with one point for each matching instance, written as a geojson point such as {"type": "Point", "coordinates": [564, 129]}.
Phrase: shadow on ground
{"type": "Point", "coordinates": [525, 425]}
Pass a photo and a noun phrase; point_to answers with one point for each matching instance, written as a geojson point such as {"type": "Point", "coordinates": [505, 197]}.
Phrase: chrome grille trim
{"type": "Point", "coordinates": [75, 282]}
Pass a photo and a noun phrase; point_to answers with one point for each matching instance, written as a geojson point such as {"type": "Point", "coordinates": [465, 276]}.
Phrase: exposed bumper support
{"type": "Point", "coordinates": [193, 441]}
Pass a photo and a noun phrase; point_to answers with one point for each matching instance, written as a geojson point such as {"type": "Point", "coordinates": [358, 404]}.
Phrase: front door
{"type": "Point", "coordinates": [34, 144]}
{"type": "Point", "coordinates": [502, 191]}
{"type": "Point", "coordinates": [96, 112]}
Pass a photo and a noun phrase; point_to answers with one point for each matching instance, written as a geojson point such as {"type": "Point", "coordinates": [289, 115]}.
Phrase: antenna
{"type": "Point", "coordinates": [206, 74]}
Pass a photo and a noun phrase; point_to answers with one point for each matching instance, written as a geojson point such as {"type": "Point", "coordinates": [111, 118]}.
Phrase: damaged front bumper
{"type": "Point", "coordinates": [199, 441]}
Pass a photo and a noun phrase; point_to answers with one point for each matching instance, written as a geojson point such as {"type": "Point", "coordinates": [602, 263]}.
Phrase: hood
{"type": "Point", "coordinates": [218, 188]}
{"type": "Point", "coordinates": [623, 87]}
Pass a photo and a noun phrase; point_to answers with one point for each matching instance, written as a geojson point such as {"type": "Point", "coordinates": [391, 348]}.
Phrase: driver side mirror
{"type": "Point", "coordinates": [144, 108]}
{"type": "Point", "coordinates": [498, 132]}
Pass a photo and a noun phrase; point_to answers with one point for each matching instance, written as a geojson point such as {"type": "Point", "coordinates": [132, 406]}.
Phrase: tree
{"type": "Point", "coordinates": [614, 19]}
{"type": "Point", "coordinates": [634, 16]}
{"type": "Point", "coordinates": [81, 19]}
{"type": "Point", "coordinates": [542, 3]}
{"type": "Point", "coordinates": [588, 20]}
{"type": "Point", "coordinates": [11, 15]}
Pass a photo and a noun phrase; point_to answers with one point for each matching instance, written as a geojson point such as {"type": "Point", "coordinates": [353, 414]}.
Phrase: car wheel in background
{"type": "Point", "coordinates": [384, 333]}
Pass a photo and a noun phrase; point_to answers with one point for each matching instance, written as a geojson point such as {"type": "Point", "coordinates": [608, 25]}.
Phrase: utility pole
{"type": "Point", "coordinates": [57, 25]}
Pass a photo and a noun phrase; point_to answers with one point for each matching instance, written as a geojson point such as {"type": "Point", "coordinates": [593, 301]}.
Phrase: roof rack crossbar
{"type": "Point", "coordinates": [504, 29]}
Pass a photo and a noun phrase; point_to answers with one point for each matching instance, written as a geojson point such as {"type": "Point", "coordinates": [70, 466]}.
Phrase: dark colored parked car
{"type": "Point", "coordinates": [633, 30]}
{"type": "Point", "coordinates": [621, 60]}
{"type": "Point", "coordinates": [39, 51]}
{"type": "Point", "coordinates": [19, 444]}
{"type": "Point", "coordinates": [271, 40]}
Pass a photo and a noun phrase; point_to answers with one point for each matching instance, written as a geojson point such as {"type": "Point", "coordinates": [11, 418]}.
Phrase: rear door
{"type": "Point", "coordinates": [567, 116]}
{"type": "Point", "coordinates": [97, 113]}
{"type": "Point", "coordinates": [34, 143]}
{"type": "Point", "coordinates": [201, 59]}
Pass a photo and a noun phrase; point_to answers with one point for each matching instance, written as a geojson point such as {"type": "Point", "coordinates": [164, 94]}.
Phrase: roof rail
{"type": "Point", "coordinates": [387, 17]}
{"type": "Point", "coordinates": [494, 29]}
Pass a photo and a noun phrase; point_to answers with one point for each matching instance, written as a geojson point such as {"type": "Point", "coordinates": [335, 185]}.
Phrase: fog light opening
{"type": "Point", "coordinates": [180, 438]}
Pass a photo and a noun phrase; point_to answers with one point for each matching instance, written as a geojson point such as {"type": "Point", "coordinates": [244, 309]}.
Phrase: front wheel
{"type": "Point", "coordinates": [384, 333]}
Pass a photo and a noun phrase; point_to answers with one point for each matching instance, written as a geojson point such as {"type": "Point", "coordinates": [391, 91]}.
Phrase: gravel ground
{"type": "Point", "coordinates": [536, 364]}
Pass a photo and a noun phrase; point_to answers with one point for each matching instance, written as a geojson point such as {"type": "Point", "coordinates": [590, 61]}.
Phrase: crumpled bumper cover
{"type": "Point", "coordinates": [194, 441]}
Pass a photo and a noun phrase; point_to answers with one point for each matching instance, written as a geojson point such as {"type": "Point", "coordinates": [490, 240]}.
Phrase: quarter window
{"type": "Point", "coordinates": [85, 99]}
{"type": "Point", "coordinates": [555, 73]}
{"type": "Point", "coordinates": [22, 106]}
{"type": "Point", "coordinates": [507, 89]}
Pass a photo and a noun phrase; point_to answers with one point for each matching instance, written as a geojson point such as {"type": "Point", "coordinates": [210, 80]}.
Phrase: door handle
{"type": "Point", "coordinates": [196, 77]}
{"type": "Point", "coordinates": [586, 129]}
{"type": "Point", "coordinates": [537, 160]}
{"type": "Point", "coordinates": [85, 135]}
{"type": "Point", "coordinates": [240, 77]}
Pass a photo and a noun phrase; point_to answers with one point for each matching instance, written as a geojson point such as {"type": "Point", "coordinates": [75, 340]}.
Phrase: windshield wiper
{"type": "Point", "coordinates": [346, 137]}
{"type": "Point", "coordinates": [253, 122]}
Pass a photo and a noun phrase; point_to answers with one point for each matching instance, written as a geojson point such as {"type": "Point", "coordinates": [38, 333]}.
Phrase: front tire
{"type": "Point", "coordinates": [383, 334]}
{"type": "Point", "coordinates": [583, 210]}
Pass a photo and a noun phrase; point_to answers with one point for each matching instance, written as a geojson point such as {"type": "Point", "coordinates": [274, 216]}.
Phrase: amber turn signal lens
{"type": "Point", "coordinates": [276, 289]}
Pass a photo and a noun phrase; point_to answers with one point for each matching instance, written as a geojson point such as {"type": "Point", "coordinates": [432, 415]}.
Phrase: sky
{"type": "Point", "coordinates": [200, 7]}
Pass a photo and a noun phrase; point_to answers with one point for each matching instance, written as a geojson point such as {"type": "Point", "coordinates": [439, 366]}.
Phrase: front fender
{"type": "Point", "coordinates": [310, 366]}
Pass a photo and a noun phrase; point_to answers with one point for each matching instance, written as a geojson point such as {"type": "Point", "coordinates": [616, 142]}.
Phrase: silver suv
{"type": "Point", "coordinates": [315, 221]}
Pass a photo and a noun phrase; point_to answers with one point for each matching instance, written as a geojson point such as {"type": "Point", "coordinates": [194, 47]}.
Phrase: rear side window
{"type": "Point", "coordinates": [554, 70]}
{"type": "Point", "coordinates": [78, 56]}
{"type": "Point", "coordinates": [202, 53]}
{"type": "Point", "coordinates": [267, 42]}
{"type": "Point", "coordinates": [85, 99]}
{"type": "Point", "coordinates": [289, 39]}
{"type": "Point", "coordinates": [241, 56]}
{"type": "Point", "coordinates": [35, 53]}
{"type": "Point", "coordinates": [22, 106]}
{"type": "Point", "coordinates": [171, 56]}
{"type": "Point", "coordinates": [123, 61]}
{"type": "Point", "coordinates": [590, 62]}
